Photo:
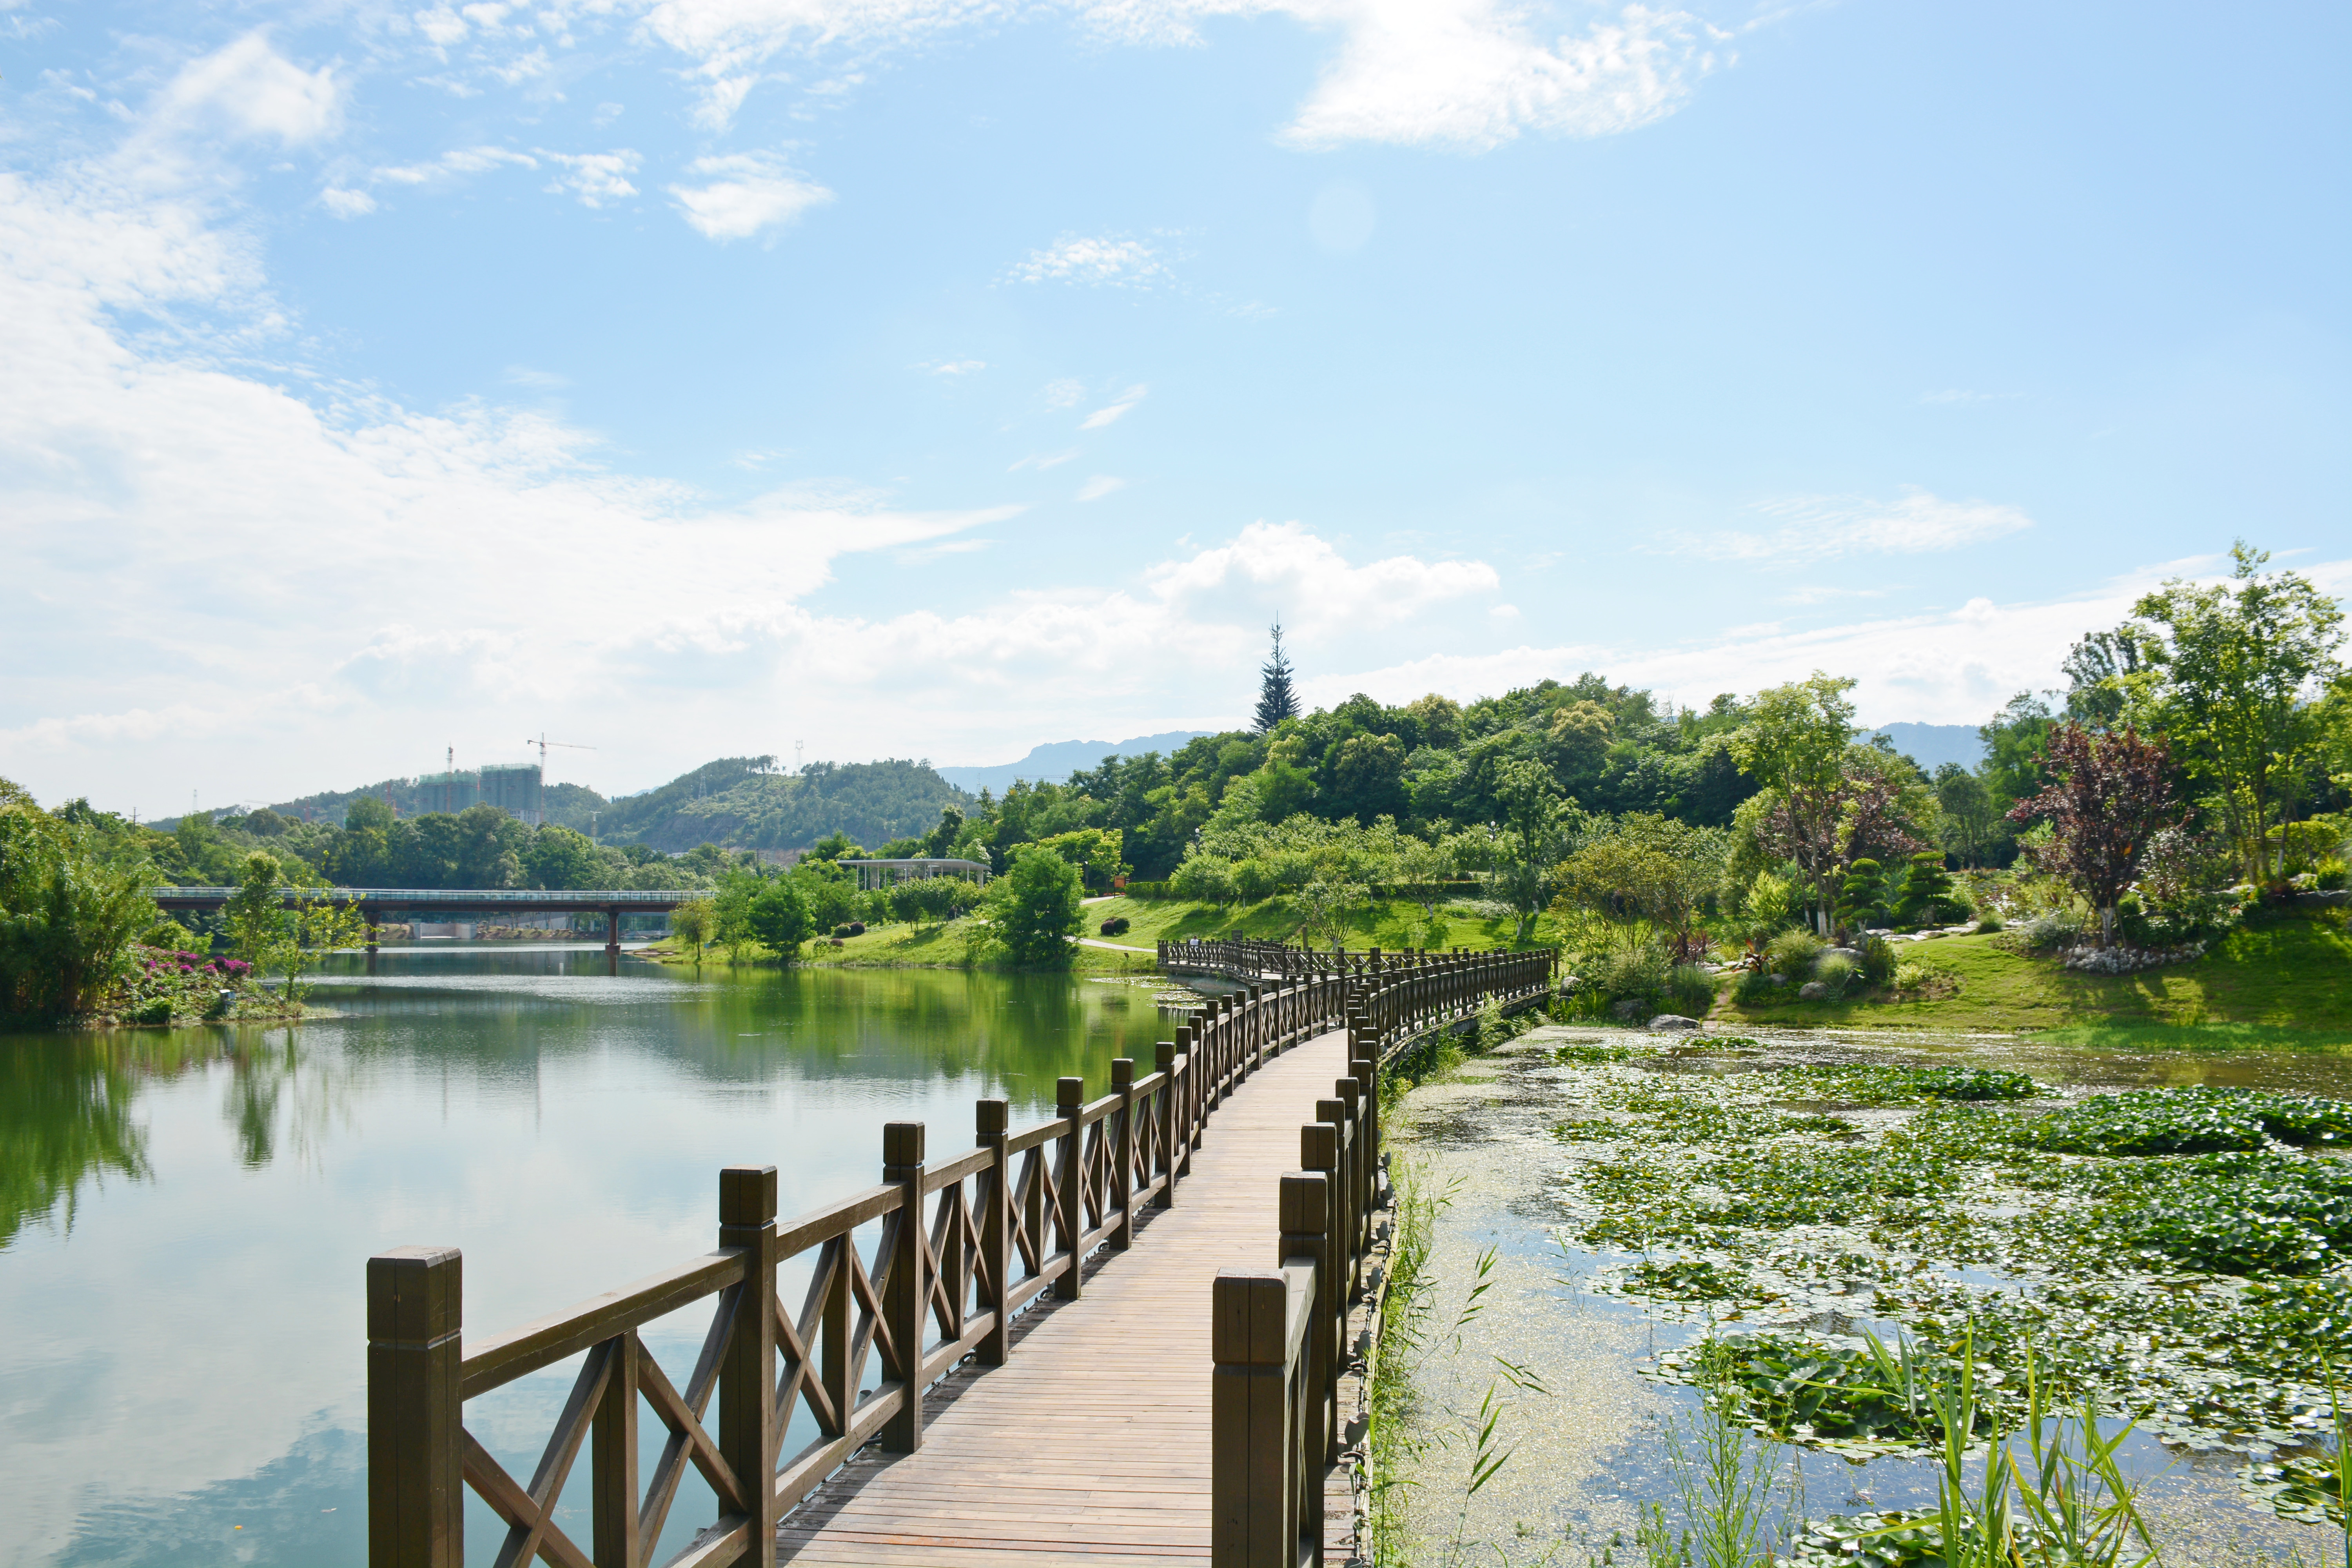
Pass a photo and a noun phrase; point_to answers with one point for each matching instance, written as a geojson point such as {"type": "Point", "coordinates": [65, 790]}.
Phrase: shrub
{"type": "Point", "coordinates": [1877, 961]}
{"type": "Point", "coordinates": [1757, 986]}
{"type": "Point", "coordinates": [1791, 954]}
{"type": "Point", "coordinates": [1115, 926]}
{"type": "Point", "coordinates": [2048, 931]}
{"type": "Point", "coordinates": [849, 928]}
{"type": "Point", "coordinates": [1836, 971]}
{"type": "Point", "coordinates": [2330, 874]}
{"type": "Point", "coordinates": [1691, 991]}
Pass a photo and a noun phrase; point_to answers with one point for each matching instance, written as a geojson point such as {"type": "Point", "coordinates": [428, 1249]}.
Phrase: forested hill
{"type": "Point", "coordinates": [742, 803]}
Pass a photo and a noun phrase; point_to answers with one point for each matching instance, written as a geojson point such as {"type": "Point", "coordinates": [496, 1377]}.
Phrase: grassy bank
{"type": "Point", "coordinates": [2284, 979]}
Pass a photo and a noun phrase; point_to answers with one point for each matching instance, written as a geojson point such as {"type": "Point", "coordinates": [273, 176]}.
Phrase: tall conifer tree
{"type": "Point", "coordinates": [1276, 699]}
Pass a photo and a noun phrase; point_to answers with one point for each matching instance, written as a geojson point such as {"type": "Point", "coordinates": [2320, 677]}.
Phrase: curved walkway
{"type": "Point", "coordinates": [1096, 1450]}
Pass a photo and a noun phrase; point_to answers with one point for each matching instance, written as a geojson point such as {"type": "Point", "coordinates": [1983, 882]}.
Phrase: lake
{"type": "Point", "coordinates": [185, 1216]}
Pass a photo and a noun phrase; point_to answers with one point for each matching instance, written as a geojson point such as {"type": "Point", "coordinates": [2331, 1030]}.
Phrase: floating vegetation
{"type": "Point", "coordinates": [1848, 1084]}
{"type": "Point", "coordinates": [2183, 1256]}
{"type": "Point", "coordinates": [2194, 1121]}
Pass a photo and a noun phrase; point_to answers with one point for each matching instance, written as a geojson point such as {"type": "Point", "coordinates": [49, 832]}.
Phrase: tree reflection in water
{"type": "Point", "coordinates": [65, 1119]}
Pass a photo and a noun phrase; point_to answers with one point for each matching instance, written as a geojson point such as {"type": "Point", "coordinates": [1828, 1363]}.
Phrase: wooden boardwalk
{"type": "Point", "coordinates": [1097, 1451]}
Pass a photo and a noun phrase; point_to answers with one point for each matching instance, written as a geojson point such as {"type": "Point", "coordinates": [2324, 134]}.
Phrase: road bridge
{"type": "Point", "coordinates": [375, 903]}
{"type": "Point", "coordinates": [1113, 1337]}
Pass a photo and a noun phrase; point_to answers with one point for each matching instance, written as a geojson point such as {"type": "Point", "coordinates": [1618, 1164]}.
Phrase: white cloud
{"type": "Point", "coordinates": [1820, 527]}
{"type": "Point", "coordinates": [1941, 666]}
{"type": "Point", "coordinates": [1100, 486]}
{"type": "Point", "coordinates": [747, 193]}
{"type": "Point", "coordinates": [595, 178]}
{"type": "Point", "coordinates": [1121, 263]}
{"type": "Point", "coordinates": [250, 87]}
{"type": "Point", "coordinates": [455, 164]}
{"type": "Point", "coordinates": [1041, 462]}
{"type": "Point", "coordinates": [954, 366]}
{"type": "Point", "coordinates": [1110, 412]}
{"type": "Point", "coordinates": [1503, 613]}
{"type": "Point", "coordinates": [346, 204]}
{"type": "Point", "coordinates": [1955, 394]}
{"type": "Point", "coordinates": [1064, 394]}
{"type": "Point", "coordinates": [1465, 74]}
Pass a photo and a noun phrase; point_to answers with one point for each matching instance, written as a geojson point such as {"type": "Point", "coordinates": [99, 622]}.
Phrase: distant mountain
{"type": "Point", "coordinates": [1932, 745]}
{"type": "Point", "coordinates": [742, 803]}
{"type": "Point", "coordinates": [1058, 759]}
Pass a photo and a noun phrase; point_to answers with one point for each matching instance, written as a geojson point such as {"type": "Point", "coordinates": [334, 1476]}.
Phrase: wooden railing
{"type": "Point", "coordinates": [959, 1248]}
{"type": "Point", "coordinates": [1245, 958]}
{"type": "Point", "coordinates": [1279, 1336]}
{"type": "Point", "coordinates": [962, 1248]}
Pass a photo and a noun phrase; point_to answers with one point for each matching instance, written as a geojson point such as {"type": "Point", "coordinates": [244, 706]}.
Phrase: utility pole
{"type": "Point", "coordinates": [797, 746]}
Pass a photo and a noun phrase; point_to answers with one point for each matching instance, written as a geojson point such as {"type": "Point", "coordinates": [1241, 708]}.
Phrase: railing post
{"type": "Point", "coordinates": [1121, 1196]}
{"type": "Point", "coordinates": [1163, 1062]}
{"type": "Point", "coordinates": [415, 1307]}
{"type": "Point", "coordinates": [906, 1300]}
{"type": "Point", "coordinates": [1255, 1426]}
{"type": "Point", "coordinates": [1305, 1211]}
{"type": "Point", "coordinates": [994, 1120]}
{"type": "Point", "coordinates": [1319, 1149]}
{"type": "Point", "coordinates": [1069, 1206]}
{"type": "Point", "coordinates": [746, 1378]}
{"type": "Point", "coordinates": [612, 1464]}
{"type": "Point", "coordinates": [1188, 1116]}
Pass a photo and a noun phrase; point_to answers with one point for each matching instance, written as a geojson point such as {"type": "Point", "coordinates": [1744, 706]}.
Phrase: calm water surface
{"type": "Point", "coordinates": [185, 1216]}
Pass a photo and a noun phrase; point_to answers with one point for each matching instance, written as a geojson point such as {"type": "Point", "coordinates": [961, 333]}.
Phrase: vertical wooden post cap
{"type": "Point", "coordinates": [414, 1295]}
{"type": "Point", "coordinates": [747, 1195]}
{"type": "Point", "coordinates": [902, 1143]}
{"type": "Point", "coordinates": [992, 1117]}
{"type": "Point", "coordinates": [1069, 1093]}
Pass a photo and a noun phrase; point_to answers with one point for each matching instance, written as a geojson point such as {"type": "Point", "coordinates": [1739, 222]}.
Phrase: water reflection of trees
{"type": "Point", "coordinates": [65, 1119]}
{"type": "Point", "coordinates": [67, 1107]}
{"type": "Point", "coordinates": [282, 1096]}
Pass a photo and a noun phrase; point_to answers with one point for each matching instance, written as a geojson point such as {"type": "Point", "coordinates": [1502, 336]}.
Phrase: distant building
{"type": "Point", "coordinates": [450, 792]}
{"type": "Point", "coordinates": [514, 788]}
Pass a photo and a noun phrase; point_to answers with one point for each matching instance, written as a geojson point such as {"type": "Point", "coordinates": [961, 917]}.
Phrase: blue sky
{"type": "Point", "coordinates": [926, 378]}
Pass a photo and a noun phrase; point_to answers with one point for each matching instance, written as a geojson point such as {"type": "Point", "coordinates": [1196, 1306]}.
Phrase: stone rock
{"type": "Point", "coordinates": [1629, 1009]}
{"type": "Point", "coordinates": [1668, 1023]}
{"type": "Point", "coordinates": [1811, 991]}
{"type": "Point", "coordinates": [1853, 952]}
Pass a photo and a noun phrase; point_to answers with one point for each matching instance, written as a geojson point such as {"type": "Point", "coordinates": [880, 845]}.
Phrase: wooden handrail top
{"type": "Point", "coordinates": [956, 1170]}
{"type": "Point", "coordinates": [796, 1236]}
{"type": "Point", "coordinates": [500, 1360]}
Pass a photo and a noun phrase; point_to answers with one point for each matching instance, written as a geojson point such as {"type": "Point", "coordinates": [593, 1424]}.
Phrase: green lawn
{"type": "Point", "coordinates": [2286, 979]}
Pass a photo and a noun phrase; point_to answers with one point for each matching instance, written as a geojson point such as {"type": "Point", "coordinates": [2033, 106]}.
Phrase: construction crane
{"type": "Point", "coordinates": [542, 743]}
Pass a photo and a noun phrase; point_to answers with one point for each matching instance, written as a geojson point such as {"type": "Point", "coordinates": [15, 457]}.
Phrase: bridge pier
{"type": "Point", "coordinates": [371, 934]}
{"type": "Point", "coordinates": [613, 938]}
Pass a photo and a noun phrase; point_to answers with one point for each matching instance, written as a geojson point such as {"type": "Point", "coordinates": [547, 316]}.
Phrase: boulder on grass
{"type": "Point", "coordinates": [1670, 1023]}
{"type": "Point", "coordinates": [1812, 991]}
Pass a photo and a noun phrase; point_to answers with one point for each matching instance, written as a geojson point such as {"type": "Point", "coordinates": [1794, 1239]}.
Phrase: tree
{"type": "Point", "coordinates": [2112, 795]}
{"type": "Point", "coordinates": [316, 925]}
{"type": "Point", "coordinates": [1794, 742]}
{"type": "Point", "coordinates": [1276, 699]}
{"type": "Point", "coordinates": [68, 910]}
{"type": "Point", "coordinates": [1970, 820]}
{"type": "Point", "coordinates": [779, 916]}
{"type": "Point", "coordinates": [1927, 891]}
{"type": "Point", "coordinates": [943, 837]}
{"type": "Point", "coordinates": [695, 922]}
{"type": "Point", "coordinates": [256, 913]}
{"type": "Point", "coordinates": [1033, 908]}
{"type": "Point", "coordinates": [2236, 675]}
{"type": "Point", "coordinates": [1862, 895]}
{"type": "Point", "coordinates": [561, 857]}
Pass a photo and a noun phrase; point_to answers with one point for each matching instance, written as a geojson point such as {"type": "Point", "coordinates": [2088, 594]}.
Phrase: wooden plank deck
{"type": "Point", "coordinates": [1091, 1444]}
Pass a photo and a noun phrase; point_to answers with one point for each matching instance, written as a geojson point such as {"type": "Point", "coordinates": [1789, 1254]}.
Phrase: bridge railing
{"type": "Point", "coordinates": [449, 896]}
{"type": "Point", "coordinates": [958, 1249]}
{"type": "Point", "coordinates": [1279, 1336]}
